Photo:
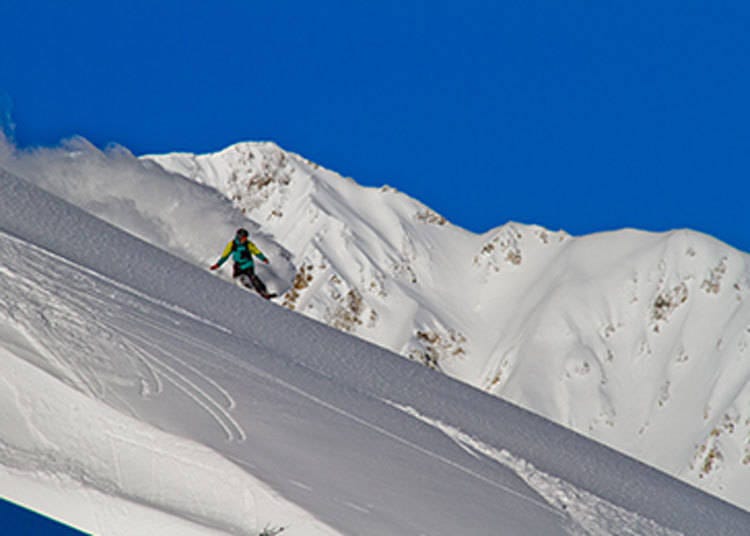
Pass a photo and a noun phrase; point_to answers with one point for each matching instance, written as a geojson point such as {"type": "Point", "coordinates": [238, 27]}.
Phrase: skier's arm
{"type": "Point", "coordinates": [256, 251]}
{"type": "Point", "coordinates": [224, 256]}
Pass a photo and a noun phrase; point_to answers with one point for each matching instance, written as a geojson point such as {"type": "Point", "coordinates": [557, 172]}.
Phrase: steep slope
{"type": "Point", "coordinates": [634, 338]}
{"type": "Point", "coordinates": [191, 221]}
{"type": "Point", "coordinates": [142, 392]}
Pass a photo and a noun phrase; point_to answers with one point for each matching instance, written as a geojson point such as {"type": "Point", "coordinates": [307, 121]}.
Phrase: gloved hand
{"type": "Point", "coordinates": [214, 267]}
{"type": "Point", "coordinates": [266, 261]}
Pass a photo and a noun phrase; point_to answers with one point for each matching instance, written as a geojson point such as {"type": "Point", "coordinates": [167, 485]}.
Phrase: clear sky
{"type": "Point", "coordinates": [582, 115]}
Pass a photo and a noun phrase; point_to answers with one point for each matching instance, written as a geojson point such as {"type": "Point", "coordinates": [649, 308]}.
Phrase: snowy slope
{"type": "Point", "coordinates": [141, 394]}
{"type": "Point", "coordinates": [636, 339]}
{"type": "Point", "coordinates": [191, 221]}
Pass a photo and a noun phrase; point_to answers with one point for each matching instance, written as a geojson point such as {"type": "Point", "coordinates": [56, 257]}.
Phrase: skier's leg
{"type": "Point", "coordinates": [248, 278]}
{"type": "Point", "coordinates": [258, 284]}
{"type": "Point", "coordinates": [242, 276]}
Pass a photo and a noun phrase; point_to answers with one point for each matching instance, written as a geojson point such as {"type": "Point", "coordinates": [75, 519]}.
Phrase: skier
{"type": "Point", "coordinates": [242, 251]}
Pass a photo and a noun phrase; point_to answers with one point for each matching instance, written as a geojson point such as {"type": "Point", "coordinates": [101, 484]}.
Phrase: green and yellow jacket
{"type": "Point", "coordinates": [241, 253]}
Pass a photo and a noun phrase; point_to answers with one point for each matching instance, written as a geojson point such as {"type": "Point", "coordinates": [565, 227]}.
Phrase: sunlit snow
{"type": "Point", "coordinates": [137, 384]}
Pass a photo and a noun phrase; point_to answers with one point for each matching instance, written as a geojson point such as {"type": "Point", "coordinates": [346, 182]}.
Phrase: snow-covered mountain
{"type": "Point", "coordinates": [141, 395]}
{"type": "Point", "coordinates": [632, 338]}
{"type": "Point", "coordinates": [639, 340]}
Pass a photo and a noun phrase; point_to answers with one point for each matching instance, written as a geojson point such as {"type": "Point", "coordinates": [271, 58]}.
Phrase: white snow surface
{"type": "Point", "coordinates": [137, 384]}
{"type": "Point", "coordinates": [638, 340]}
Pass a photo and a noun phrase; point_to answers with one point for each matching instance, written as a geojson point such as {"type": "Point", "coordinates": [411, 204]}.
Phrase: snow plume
{"type": "Point", "coordinates": [7, 126]}
{"type": "Point", "coordinates": [189, 220]}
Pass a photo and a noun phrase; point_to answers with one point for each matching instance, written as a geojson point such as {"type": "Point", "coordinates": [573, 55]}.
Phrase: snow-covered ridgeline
{"type": "Point", "coordinates": [636, 339]}
{"type": "Point", "coordinates": [288, 400]}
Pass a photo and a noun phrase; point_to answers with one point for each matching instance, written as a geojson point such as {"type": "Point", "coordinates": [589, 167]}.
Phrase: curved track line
{"type": "Point", "coordinates": [231, 427]}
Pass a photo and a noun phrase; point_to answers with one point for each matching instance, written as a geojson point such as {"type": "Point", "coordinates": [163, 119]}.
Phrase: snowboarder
{"type": "Point", "coordinates": [242, 251]}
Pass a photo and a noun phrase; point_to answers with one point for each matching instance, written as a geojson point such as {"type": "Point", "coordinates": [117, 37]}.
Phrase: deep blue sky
{"type": "Point", "coordinates": [582, 115]}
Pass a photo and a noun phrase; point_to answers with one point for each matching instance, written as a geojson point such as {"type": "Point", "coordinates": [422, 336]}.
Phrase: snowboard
{"type": "Point", "coordinates": [248, 283]}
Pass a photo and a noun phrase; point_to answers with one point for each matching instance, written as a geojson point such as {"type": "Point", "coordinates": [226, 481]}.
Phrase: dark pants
{"type": "Point", "coordinates": [249, 279]}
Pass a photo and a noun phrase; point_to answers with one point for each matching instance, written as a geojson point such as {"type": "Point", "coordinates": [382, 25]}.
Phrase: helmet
{"type": "Point", "coordinates": [242, 233]}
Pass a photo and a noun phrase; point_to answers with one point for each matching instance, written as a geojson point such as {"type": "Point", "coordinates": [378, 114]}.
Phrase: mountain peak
{"type": "Point", "coordinates": [636, 339]}
{"type": "Point", "coordinates": [597, 332]}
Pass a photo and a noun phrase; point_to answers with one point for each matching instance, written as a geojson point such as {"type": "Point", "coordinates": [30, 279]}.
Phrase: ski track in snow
{"type": "Point", "coordinates": [30, 247]}
{"type": "Point", "coordinates": [53, 305]}
{"type": "Point", "coordinates": [199, 395]}
{"type": "Point", "coordinates": [340, 411]}
{"type": "Point", "coordinates": [591, 515]}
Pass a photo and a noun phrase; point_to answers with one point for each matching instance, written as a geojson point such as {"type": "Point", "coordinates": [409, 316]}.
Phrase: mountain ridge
{"type": "Point", "coordinates": [606, 309]}
{"type": "Point", "coordinates": [636, 339]}
{"type": "Point", "coordinates": [280, 398]}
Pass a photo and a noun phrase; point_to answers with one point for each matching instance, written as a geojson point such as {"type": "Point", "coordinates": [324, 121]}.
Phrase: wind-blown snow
{"type": "Point", "coordinates": [191, 221]}
{"type": "Point", "coordinates": [322, 432]}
